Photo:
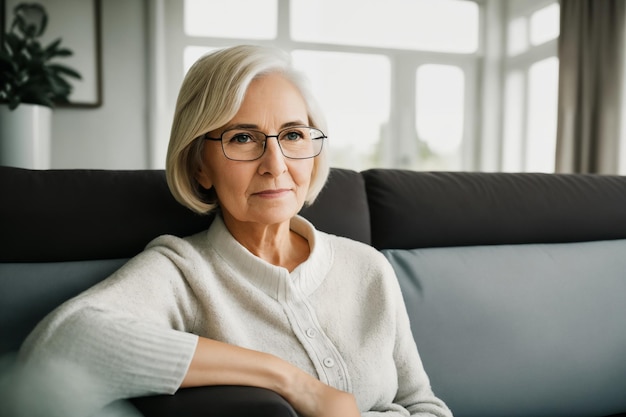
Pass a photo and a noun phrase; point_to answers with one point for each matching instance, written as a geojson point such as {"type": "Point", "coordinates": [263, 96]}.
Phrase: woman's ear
{"type": "Point", "coordinates": [203, 179]}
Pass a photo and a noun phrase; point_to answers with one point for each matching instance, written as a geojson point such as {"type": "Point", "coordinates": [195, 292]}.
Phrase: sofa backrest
{"type": "Point", "coordinates": [434, 209]}
{"type": "Point", "coordinates": [61, 231]}
{"type": "Point", "coordinates": [514, 284]}
{"type": "Point", "coordinates": [71, 215]}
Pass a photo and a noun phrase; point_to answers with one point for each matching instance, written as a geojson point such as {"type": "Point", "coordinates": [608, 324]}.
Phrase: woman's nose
{"type": "Point", "coordinates": [273, 160]}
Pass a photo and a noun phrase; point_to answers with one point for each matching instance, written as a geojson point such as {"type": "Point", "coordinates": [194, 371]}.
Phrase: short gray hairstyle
{"type": "Point", "coordinates": [210, 96]}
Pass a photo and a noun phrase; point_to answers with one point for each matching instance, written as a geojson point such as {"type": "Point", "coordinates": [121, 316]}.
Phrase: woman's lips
{"type": "Point", "coordinates": [272, 193]}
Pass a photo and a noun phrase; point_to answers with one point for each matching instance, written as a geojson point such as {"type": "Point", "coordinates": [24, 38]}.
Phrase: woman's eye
{"type": "Point", "coordinates": [293, 135]}
{"type": "Point", "coordinates": [241, 138]}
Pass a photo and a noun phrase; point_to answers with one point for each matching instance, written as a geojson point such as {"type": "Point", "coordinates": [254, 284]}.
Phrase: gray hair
{"type": "Point", "coordinates": [210, 96]}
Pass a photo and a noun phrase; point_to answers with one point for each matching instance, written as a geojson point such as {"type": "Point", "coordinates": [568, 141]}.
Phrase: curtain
{"type": "Point", "coordinates": [591, 76]}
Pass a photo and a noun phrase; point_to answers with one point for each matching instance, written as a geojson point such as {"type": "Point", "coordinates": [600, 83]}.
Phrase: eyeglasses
{"type": "Point", "coordinates": [298, 142]}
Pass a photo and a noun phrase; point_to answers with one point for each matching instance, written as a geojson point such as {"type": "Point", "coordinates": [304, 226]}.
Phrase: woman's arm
{"type": "Point", "coordinates": [218, 363]}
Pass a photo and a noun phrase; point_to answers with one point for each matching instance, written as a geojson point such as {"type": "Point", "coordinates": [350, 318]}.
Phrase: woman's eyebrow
{"type": "Point", "coordinates": [240, 126]}
{"type": "Point", "coordinates": [293, 124]}
{"type": "Point", "coordinates": [256, 127]}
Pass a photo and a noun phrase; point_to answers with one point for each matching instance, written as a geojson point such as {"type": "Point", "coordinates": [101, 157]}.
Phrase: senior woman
{"type": "Point", "coordinates": [262, 298]}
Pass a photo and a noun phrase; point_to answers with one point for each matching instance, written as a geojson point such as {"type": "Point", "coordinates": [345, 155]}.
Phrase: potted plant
{"type": "Point", "coordinates": [31, 83]}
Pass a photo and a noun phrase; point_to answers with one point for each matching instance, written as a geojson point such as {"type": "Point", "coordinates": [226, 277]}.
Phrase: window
{"type": "Point", "coordinates": [354, 91]}
{"type": "Point", "coordinates": [533, 28]}
{"type": "Point", "coordinates": [420, 25]}
{"type": "Point", "coordinates": [517, 36]}
{"type": "Point", "coordinates": [402, 82]}
{"type": "Point", "coordinates": [256, 19]}
{"type": "Point", "coordinates": [439, 112]}
{"type": "Point", "coordinates": [362, 57]}
{"type": "Point", "coordinates": [513, 121]}
{"type": "Point", "coordinates": [544, 24]}
{"type": "Point", "coordinates": [542, 115]}
{"type": "Point", "coordinates": [531, 88]}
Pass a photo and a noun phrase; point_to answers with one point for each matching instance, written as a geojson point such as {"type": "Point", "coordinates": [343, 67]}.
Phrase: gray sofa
{"type": "Point", "coordinates": [515, 283]}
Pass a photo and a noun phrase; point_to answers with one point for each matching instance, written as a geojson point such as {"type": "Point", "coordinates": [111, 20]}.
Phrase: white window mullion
{"type": "Point", "coordinates": [490, 113]}
{"type": "Point", "coordinates": [401, 141]}
{"type": "Point", "coordinates": [470, 153]}
{"type": "Point", "coordinates": [157, 86]}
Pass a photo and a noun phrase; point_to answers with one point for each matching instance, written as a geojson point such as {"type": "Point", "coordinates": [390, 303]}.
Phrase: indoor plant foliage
{"type": "Point", "coordinates": [27, 73]}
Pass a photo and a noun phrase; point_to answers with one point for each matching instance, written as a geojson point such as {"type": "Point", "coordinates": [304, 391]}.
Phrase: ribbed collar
{"type": "Point", "coordinates": [275, 281]}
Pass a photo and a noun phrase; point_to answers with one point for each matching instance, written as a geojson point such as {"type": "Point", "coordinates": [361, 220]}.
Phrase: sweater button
{"type": "Point", "coordinates": [311, 333]}
{"type": "Point", "coordinates": [329, 362]}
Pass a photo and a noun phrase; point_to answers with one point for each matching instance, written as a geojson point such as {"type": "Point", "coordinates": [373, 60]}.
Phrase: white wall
{"type": "Point", "coordinates": [113, 136]}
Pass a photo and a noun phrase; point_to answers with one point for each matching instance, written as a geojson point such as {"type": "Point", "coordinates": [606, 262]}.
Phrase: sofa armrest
{"type": "Point", "coordinates": [216, 401]}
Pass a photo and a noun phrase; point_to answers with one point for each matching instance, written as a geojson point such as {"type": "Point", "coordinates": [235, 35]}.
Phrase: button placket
{"type": "Point", "coordinates": [320, 348]}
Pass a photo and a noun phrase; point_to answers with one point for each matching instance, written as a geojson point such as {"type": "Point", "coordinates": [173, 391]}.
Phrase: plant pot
{"type": "Point", "coordinates": [25, 136]}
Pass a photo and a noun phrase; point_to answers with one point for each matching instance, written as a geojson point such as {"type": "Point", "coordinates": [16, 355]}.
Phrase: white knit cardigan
{"type": "Point", "coordinates": [339, 316]}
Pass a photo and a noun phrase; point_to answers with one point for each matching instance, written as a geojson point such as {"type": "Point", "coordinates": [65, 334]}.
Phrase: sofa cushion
{"type": "Point", "coordinates": [341, 207]}
{"type": "Point", "coordinates": [73, 215]}
{"type": "Point", "coordinates": [412, 209]}
{"type": "Point", "coordinates": [520, 330]}
{"type": "Point", "coordinates": [29, 291]}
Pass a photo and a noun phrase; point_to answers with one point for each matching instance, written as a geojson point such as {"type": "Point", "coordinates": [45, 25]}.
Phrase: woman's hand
{"type": "Point", "coordinates": [312, 398]}
{"type": "Point", "coordinates": [217, 363]}
{"type": "Point", "coordinates": [332, 403]}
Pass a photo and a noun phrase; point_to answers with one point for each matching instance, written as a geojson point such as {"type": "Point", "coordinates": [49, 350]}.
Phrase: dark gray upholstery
{"type": "Point", "coordinates": [32, 290]}
{"type": "Point", "coordinates": [540, 326]}
{"type": "Point", "coordinates": [507, 327]}
{"type": "Point", "coordinates": [429, 209]}
{"type": "Point", "coordinates": [217, 401]}
{"type": "Point", "coordinates": [70, 215]}
{"type": "Point", "coordinates": [61, 231]}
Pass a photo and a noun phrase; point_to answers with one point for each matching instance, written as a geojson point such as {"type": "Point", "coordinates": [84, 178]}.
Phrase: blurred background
{"type": "Point", "coordinates": [419, 84]}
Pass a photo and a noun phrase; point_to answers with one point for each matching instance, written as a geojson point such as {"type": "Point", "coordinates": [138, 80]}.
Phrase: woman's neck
{"type": "Point", "coordinates": [276, 244]}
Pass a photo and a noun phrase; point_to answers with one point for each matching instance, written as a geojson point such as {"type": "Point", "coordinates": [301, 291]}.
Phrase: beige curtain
{"type": "Point", "coordinates": [591, 73]}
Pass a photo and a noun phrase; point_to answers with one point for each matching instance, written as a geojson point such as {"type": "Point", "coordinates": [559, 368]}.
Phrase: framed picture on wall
{"type": "Point", "coordinates": [77, 23]}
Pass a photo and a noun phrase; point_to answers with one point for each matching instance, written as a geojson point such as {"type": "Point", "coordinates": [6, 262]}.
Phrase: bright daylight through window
{"type": "Point", "coordinates": [531, 90]}
{"type": "Point", "coordinates": [398, 80]}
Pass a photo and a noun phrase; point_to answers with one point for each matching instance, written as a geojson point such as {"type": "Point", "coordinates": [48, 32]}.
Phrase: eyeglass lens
{"type": "Point", "coordinates": [295, 143]}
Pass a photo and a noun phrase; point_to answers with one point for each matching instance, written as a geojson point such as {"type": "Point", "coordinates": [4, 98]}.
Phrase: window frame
{"type": "Point", "coordinates": [484, 71]}
{"type": "Point", "coordinates": [521, 63]}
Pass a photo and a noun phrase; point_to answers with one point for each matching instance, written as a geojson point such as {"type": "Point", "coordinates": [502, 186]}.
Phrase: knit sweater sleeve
{"type": "Point", "coordinates": [127, 336]}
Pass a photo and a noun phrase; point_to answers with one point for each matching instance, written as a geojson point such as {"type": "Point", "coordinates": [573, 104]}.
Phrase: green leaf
{"type": "Point", "coordinates": [65, 70]}
{"type": "Point", "coordinates": [52, 48]}
{"type": "Point", "coordinates": [44, 23]}
{"type": "Point", "coordinates": [28, 75]}
{"type": "Point", "coordinates": [64, 52]}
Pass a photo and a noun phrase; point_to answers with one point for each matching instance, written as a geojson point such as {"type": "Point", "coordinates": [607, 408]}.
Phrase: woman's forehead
{"type": "Point", "coordinates": [271, 100]}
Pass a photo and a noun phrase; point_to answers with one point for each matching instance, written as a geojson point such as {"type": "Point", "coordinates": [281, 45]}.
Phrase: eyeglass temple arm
{"type": "Point", "coordinates": [207, 137]}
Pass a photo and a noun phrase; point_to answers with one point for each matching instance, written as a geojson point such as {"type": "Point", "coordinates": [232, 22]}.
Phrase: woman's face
{"type": "Point", "coordinates": [271, 189]}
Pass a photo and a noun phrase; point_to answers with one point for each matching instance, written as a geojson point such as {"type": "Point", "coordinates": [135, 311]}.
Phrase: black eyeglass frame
{"type": "Point", "coordinates": [207, 137]}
